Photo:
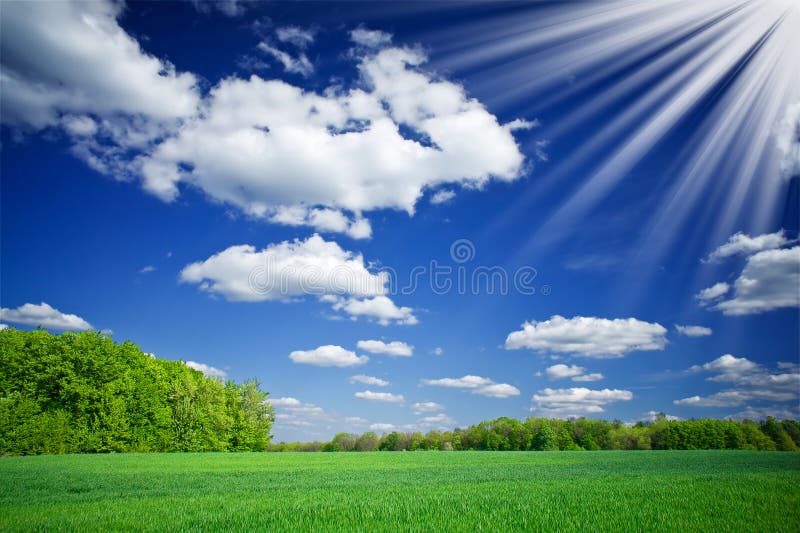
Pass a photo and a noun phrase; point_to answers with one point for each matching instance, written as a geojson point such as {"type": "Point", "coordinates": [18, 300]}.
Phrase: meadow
{"type": "Point", "coordinates": [404, 491]}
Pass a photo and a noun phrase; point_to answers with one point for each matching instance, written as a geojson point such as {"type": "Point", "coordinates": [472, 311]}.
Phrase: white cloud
{"type": "Point", "coordinates": [380, 396]}
{"type": "Point", "coordinates": [45, 316]}
{"type": "Point", "coordinates": [209, 371]}
{"type": "Point", "coordinates": [769, 280]}
{"type": "Point", "coordinates": [576, 401]}
{"type": "Point", "coordinates": [297, 36]}
{"type": "Point", "coordinates": [750, 382]}
{"type": "Point", "coordinates": [588, 336]}
{"type": "Point", "coordinates": [441, 421]}
{"type": "Point", "coordinates": [443, 196]}
{"type": "Point", "coordinates": [693, 331]}
{"type": "Point", "coordinates": [285, 402]}
{"type": "Point", "coordinates": [380, 426]}
{"type": "Point", "coordinates": [328, 355]}
{"type": "Point", "coordinates": [370, 38]}
{"type": "Point", "coordinates": [652, 416]}
{"type": "Point", "coordinates": [742, 244]}
{"type": "Point", "coordinates": [497, 390]}
{"type": "Point", "coordinates": [706, 296]}
{"type": "Point", "coordinates": [72, 57]}
{"type": "Point", "coordinates": [394, 348]}
{"type": "Point", "coordinates": [380, 308]}
{"type": "Point", "coordinates": [438, 351]}
{"type": "Point", "coordinates": [298, 64]}
{"type": "Point", "coordinates": [427, 407]}
{"type": "Point", "coordinates": [595, 376]}
{"type": "Point", "coordinates": [563, 371]}
{"type": "Point", "coordinates": [780, 412]}
{"type": "Point", "coordinates": [369, 380]}
{"type": "Point", "coordinates": [323, 220]}
{"type": "Point", "coordinates": [147, 269]}
{"type": "Point", "coordinates": [265, 145]}
{"type": "Point", "coordinates": [375, 142]}
{"type": "Point", "coordinates": [288, 270]}
{"type": "Point", "coordinates": [476, 385]}
{"type": "Point", "coordinates": [787, 141]}
{"type": "Point", "coordinates": [3, 326]}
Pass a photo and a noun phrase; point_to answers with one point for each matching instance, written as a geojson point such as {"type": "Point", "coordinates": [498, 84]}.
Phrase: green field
{"type": "Point", "coordinates": [414, 491]}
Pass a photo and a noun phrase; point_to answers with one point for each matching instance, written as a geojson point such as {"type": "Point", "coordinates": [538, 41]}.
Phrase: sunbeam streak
{"type": "Point", "coordinates": [711, 80]}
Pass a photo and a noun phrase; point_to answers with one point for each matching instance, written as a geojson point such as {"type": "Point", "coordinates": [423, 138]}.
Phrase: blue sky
{"type": "Point", "coordinates": [251, 186]}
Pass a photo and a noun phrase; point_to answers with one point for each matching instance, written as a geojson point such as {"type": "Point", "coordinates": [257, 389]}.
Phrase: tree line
{"type": "Point", "coordinates": [83, 392]}
{"type": "Point", "coordinates": [542, 434]}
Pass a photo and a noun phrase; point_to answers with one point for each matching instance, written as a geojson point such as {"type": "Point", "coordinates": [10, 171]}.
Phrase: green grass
{"type": "Point", "coordinates": [413, 491]}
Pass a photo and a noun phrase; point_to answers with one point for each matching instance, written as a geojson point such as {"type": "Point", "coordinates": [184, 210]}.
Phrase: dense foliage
{"type": "Point", "coordinates": [659, 491]}
{"type": "Point", "coordinates": [82, 392]}
{"type": "Point", "coordinates": [543, 434]}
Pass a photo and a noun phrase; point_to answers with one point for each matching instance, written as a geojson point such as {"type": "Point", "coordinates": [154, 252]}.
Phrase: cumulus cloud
{"type": "Point", "coordinates": [328, 355]}
{"type": "Point", "coordinates": [370, 38]}
{"type": "Point", "coordinates": [588, 336]}
{"type": "Point", "coordinates": [748, 381]}
{"type": "Point", "coordinates": [45, 316]}
{"type": "Point", "coordinates": [743, 244]}
{"type": "Point", "coordinates": [263, 145]}
{"type": "Point", "coordinates": [209, 371]}
{"type": "Point", "coordinates": [476, 385]}
{"type": "Point", "coordinates": [323, 220]}
{"type": "Point", "coordinates": [575, 401]}
{"type": "Point", "coordinates": [706, 296]}
{"type": "Point", "coordinates": [382, 426]}
{"type": "Point", "coordinates": [72, 57]}
{"type": "Point", "coordinates": [438, 351]}
{"type": "Point", "coordinates": [369, 380]}
{"type": "Point", "coordinates": [440, 421]}
{"type": "Point", "coordinates": [427, 407]}
{"type": "Point", "coordinates": [693, 331]}
{"type": "Point", "coordinates": [288, 270]}
{"type": "Point", "coordinates": [443, 196]}
{"type": "Point", "coordinates": [394, 348]}
{"type": "Point", "coordinates": [286, 401]}
{"type": "Point", "coordinates": [380, 308]}
{"type": "Point", "coordinates": [380, 396]}
{"type": "Point", "coordinates": [768, 281]}
{"type": "Point", "coordinates": [564, 371]}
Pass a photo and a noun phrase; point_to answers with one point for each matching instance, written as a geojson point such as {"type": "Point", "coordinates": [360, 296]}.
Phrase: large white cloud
{"type": "Point", "coordinates": [476, 385]}
{"type": "Point", "coordinates": [73, 57]}
{"type": "Point", "coordinates": [748, 381]}
{"type": "Point", "coordinates": [394, 348]}
{"type": "Point", "coordinates": [588, 336]}
{"type": "Point", "coordinates": [44, 315]}
{"type": "Point", "coordinates": [208, 370]}
{"type": "Point", "coordinates": [265, 145]}
{"type": "Point", "coordinates": [328, 355]}
{"type": "Point", "coordinates": [288, 270]}
{"type": "Point", "coordinates": [575, 401]}
{"type": "Point", "coordinates": [769, 280]}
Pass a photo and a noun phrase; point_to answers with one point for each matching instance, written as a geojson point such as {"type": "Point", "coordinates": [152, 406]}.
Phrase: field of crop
{"type": "Point", "coordinates": [413, 491]}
